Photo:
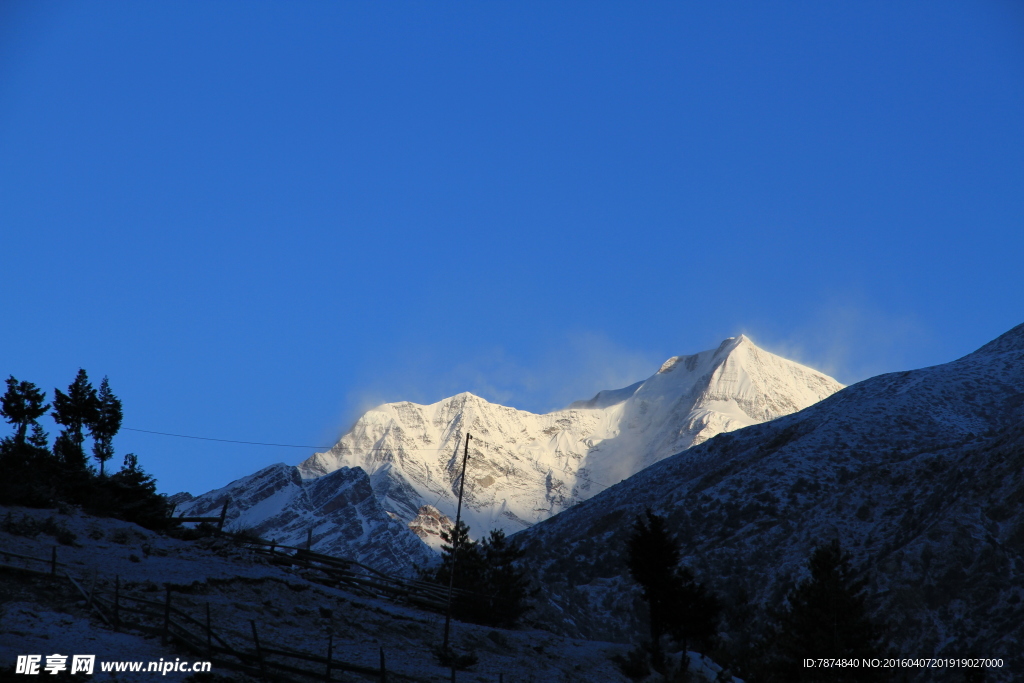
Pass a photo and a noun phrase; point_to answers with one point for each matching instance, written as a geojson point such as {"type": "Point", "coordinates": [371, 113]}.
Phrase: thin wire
{"type": "Point", "coordinates": [206, 438]}
{"type": "Point", "coordinates": [327, 448]}
{"type": "Point", "coordinates": [580, 476]}
{"type": "Point", "coordinates": [282, 445]}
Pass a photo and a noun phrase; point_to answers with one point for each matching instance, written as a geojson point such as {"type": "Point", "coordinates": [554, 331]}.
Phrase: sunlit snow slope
{"type": "Point", "coordinates": [524, 467]}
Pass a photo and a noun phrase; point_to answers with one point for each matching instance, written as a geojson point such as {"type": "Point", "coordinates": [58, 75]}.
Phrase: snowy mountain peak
{"type": "Point", "coordinates": [525, 467]}
{"type": "Point", "coordinates": [727, 346]}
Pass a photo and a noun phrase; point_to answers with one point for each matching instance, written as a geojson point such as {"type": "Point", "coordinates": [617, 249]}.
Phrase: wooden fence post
{"type": "Point", "coordinates": [383, 667]}
{"type": "Point", "coordinates": [117, 603]}
{"type": "Point", "coordinates": [223, 514]}
{"type": "Point", "coordinates": [259, 652]}
{"type": "Point", "coordinates": [53, 561]}
{"type": "Point", "coordinates": [330, 652]}
{"type": "Point", "coordinates": [167, 615]}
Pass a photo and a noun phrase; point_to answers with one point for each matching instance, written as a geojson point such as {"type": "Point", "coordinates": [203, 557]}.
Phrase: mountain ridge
{"type": "Point", "coordinates": [919, 473]}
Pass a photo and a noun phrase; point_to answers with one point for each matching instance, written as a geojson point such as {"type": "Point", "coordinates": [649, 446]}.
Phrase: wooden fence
{"type": "Point", "coordinates": [198, 636]}
{"type": "Point", "coordinates": [334, 571]}
{"type": "Point", "coordinates": [123, 611]}
{"type": "Point", "coordinates": [52, 563]}
{"type": "Point", "coordinates": [219, 519]}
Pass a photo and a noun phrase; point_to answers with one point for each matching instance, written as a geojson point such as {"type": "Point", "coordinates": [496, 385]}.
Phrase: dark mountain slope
{"type": "Point", "coordinates": [920, 474]}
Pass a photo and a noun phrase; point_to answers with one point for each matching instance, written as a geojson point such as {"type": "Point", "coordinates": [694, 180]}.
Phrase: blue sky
{"type": "Point", "coordinates": [259, 218]}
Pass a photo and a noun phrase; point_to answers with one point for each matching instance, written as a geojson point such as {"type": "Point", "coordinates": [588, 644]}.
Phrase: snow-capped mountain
{"type": "Point", "coordinates": [525, 467]}
{"type": "Point", "coordinates": [340, 508]}
{"type": "Point", "coordinates": [920, 474]}
{"type": "Point", "coordinates": [392, 480]}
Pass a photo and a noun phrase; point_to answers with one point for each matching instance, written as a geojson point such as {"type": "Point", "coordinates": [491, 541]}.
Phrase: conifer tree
{"type": "Point", "coordinates": [505, 579]}
{"type": "Point", "coordinates": [825, 618]}
{"type": "Point", "coordinates": [464, 553]}
{"type": "Point", "coordinates": [39, 439]}
{"type": "Point", "coordinates": [490, 570]}
{"type": "Point", "coordinates": [25, 463]}
{"type": "Point", "coordinates": [75, 410]}
{"type": "Point", "coordinates": [130, 494]}
{"type": "Point", "coordinates": [69, 455]}
{"type": "Point", "coordinates": [106, 424]}
{"type": "Point", "coordinates": [678, 606]}
{"type": "Point", "coordinates": [22, 405]}
{"type": "Point", "coordinates": [32, 476]}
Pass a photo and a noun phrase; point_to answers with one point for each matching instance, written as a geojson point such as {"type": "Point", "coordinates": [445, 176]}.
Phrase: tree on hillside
{"type": "Point", "coordinates": [825, 617]}
{"type": "Point", "coordinates": [34, 477]}
{"type": "Point", "coordinates": [21, 458]}
{"type": "Point", "coordinates": [130, 494]}
{"type": "Point", "coordinates": [21, 406]}
{"type": "Point", "coordinates": [678, 606]}
{"type": "Point", "coordinates": [505, 579]}
{"type": "Point", "coordinates": [39, 439]}
{"type": "Point", "coordinates": [75, 410]}
{"type": "Point", "coordinates": [25, 461]}
{"type": "Point", "coordinates": [106, 424]}
{"type": "Point", "coordinates": [460, 551]}
{"type": "Point", "coordinates": [490, 570]}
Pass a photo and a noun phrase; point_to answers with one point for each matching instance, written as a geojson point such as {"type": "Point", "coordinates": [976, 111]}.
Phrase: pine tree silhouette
{"type": "Point", "coordinates": [490, 571]}
{"type": "Point", "coordinates": [22, 405]}
{"type": "Point", "coordinates": [505, 580]}
{"type": "Point", "coordinates": [105, 425]}
{"type": "Point", "coordinates": [36, 477]}
{"type": "Point", "coordinates": [75, 410]}
{"type": "Point", "coordinates": [459, 549]}
{"type": "Point", "coordinates": [130, 494]}
{"type": "Point", "coordinates": [678, 606]}
{"type": "Point", "coordinates": [825, 618]}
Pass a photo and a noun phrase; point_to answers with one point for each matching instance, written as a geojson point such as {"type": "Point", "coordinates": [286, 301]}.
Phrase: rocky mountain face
{"type": "Point", "coordinates": [429, 524]}
{"type": "Point", "coordinates": [346, 518]}
{"type": "Point", "coordinates": [524, 467]}
{"type": "Point", "coordinates": [919, 474]}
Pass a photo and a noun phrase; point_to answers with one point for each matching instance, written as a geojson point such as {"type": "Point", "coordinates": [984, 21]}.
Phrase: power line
{"type": "Point", "coordinates": [592, 481]}
{"type": "Point", "coordinates": [206, 438]}
{"type": "Point", "coordinates": [282, 445]}
{"type": "Point", "coordinates": [327, 448]}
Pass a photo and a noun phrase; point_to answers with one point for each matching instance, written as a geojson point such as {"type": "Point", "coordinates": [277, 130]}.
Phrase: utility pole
{"type": "Point", "coordinates": [455, 544]}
